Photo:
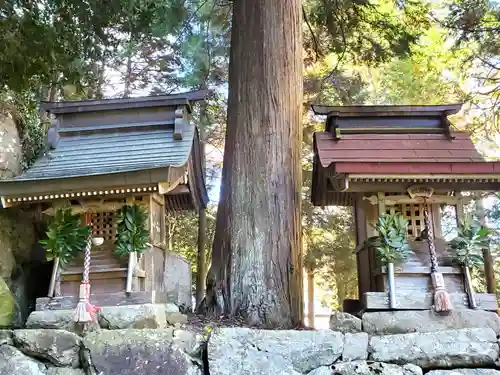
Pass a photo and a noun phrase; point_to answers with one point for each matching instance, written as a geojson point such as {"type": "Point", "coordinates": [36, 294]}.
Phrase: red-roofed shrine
{"type": "Point", "coordinates": [371, 158]}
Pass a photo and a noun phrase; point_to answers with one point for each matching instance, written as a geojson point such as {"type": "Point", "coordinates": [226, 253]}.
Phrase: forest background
{"type": "Point", "coordinates": [354, 52]}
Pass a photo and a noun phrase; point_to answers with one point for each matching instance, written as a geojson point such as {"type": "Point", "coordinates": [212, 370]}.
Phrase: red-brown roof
{"type": "Point", "coordinates": [402, 153]}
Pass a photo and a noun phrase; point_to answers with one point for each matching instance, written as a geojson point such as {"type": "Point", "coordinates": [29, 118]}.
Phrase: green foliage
{"type": "Point", "coordinates": [368, 32]}
{"type": "Point", "coordinates": [182, 237]}
{"type": "Point", "coordinates": [132, 233]}
{"type": "Point", "coordinates": [431, 75]}
{"type": "Point", "coordinates": [391, 243]}
{"type": "Point", "coordinates": [65, 237]}
{"type": "Point", "coordinates": [7, 305]}
{"type": "Point", "coordinates": [467, 246]}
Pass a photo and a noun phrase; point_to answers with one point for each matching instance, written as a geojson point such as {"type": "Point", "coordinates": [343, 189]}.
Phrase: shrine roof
{"type": "Point", "coordinates": [115, 143]}
{"type": "Point", "coordinates": [401, 153]}
{"type": "Point", "coordinates": [366, 149]}
{"type": "Point", "coordinates": [104, 152]}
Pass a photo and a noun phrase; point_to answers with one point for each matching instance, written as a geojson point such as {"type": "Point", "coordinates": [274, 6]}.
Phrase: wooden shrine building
{"type": "Point", "coordinates": [104, 154]}
{"type": "Point", "coordinates": [367, 158]}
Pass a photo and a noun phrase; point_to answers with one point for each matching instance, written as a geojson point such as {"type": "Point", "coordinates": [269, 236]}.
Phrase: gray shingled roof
{"type": "Point", "coordinates": [113, 152]}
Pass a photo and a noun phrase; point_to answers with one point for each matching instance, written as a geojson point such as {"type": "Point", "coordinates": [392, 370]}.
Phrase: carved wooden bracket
{"type": "Point", "coordinates": [53, 134]}
{"type": "Point", "coordinates": [179, 123]}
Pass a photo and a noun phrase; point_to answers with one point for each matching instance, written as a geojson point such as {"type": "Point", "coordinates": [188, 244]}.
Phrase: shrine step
{"type": "Point", "coordinates": [104, 299]}
{"type": "Point", "coordinates": [93, 269]}
{"type": "Point", "coordinates": [101, 270]}
{"type": "Point", "coordinates": [414, 300]}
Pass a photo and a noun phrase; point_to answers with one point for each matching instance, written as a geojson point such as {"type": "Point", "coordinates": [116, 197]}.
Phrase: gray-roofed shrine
{"type": "Point", "coordinates": [105, 155]}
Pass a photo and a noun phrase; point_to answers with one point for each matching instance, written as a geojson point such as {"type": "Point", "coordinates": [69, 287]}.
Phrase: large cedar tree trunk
{"type": "Point", "coordinates": [256, 268]}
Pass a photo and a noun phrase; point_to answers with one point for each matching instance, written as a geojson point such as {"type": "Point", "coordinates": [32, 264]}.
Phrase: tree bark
{"type": "Point", "coordinates": [256, 267]}
{"type": "Point", "coordinates": [310, 298]}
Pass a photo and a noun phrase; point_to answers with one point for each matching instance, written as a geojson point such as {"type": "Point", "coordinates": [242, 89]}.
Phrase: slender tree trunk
{"type": "Point", "coordinates": [489, 271]}
{"type": "Point", "coordinates": [256, 260]}
{"type": "Point", "coordinates": [202, 216]}
{"type": "Point", "coordinates": [127, 87]}
{"type": "Point", "coordinates": [340, 291]}
{"type": "Point", "coordinates": [169, 234]}
{"type": "Point", "coordinates": [100, 83]}
{"type": "Point", "coordinates": [201, 256]}
{"type": "Point", "coordinates": [53, 92]}
{"type": "Point", "coordinates": [310, 298]}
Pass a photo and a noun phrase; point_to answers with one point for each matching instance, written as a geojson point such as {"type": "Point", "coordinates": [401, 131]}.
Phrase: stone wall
{"type": "Point", "coordinates": [141, 340]}
{"type": "Point", "coordinates": [235, 351]}
{"type": "Point", "coordinates": [106, 352]}
{"type": "Point", "coordinates": [126, 340]}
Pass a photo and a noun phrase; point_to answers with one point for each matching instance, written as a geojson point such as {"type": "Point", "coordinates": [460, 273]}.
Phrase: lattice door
{"type": "Point", "coordinates": [104, 225]}
{"type": "Point", "coordinates": [414, 213]}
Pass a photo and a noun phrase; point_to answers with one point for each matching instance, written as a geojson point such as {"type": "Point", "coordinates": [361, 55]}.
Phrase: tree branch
{"type": "Point", "coordinates": [317, 51]}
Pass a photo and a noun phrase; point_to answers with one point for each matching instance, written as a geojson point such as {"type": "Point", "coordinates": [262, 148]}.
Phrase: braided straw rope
{"type": "Point", "coordinates": [442, 303]}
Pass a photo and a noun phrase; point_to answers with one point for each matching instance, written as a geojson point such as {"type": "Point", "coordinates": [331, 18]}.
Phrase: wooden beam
{"type": "Point", "coordinates": [339, 183]}
{"type": "Point", "coordinates": [167, 186]}
{"type": "Point", "coordinates": [409, 269]}
{"type": "Point", "coordinates": [438, 186]}
{"type": "Point", "coordinates": [404, 177]}
{"type": "Point", "coordinates": [411, 300]}
{"type": "Point", "coordinates": [179, 123]}
{"type": "Point", "coordinates": [90, 206]}
{"type": "Point", "coordinates": [6, 204]}
{"type": "Point", "coordinates": [64, 187]}
{"type": "Point", "coordinates": [392, 200]}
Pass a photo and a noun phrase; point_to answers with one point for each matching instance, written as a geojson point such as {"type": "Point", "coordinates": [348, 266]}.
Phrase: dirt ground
{"type": "Point", "coordinates": [197, 323]}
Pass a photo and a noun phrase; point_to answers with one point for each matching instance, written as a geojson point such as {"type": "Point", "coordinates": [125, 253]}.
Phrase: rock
{"type": "Point", "coordinates": [11, 153]}
{"type": "Point", "coordinates": [171, 308]}
{"type": "Point", "coordinates": [393, 322]}
{"type": "Point", "coordinates": [65, 371]}
{"type": "Point", "coordinates": [465, 371]}
{"type": "Point", "coordinates": [344, 322]}
{"type": "Point", "coordinates": [379, 368]}
{"type": "Point", "coordinates": [17, 240]}
{"type": "Point", "coordinates": [355, 347]}
{"type": "Point", "coordinates": [139, 351]}
{"type": "Point", "coordinates": [453, 348]}
{"type": "Point", "coordinates": [250, 351]}
{"type": "Point", "coordinates": [59, 347]}
{"type": "Point", "coordinates": [6, 337]}
{"type": "Point", "coordinates": [185, 340]}
{"type": "Point", "coordinates": [14, 362]}
{"type": "Point", "coordinates": [177, 281]}
{"type": "Point", "coordinates": [7, 305]}
{"type": "Point", "coordinates": [51, 319]}
{"type": "Point", "coordinates": [18, 250]}
{"type": "Point", "coordinates": [176, 318]}
{"type": "Point", "coordinates": [323, 370]}
{"type": "Point", "coordinates": [133, 316]}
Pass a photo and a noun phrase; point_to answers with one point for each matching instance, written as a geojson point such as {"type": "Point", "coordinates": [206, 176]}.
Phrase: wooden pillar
{"type": "Point", "coordinates": [381, 204]}
{"type": "Point", "coordinates": [310, 298]}
{"type": "Point", "coordinates": [489, 272]}
{"type": "Point", "coordinates": [361, 235]}
{"type": "Point", "coordinates": [436, 220]}
{"type": "Point", "coordinates": [201, 257]}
